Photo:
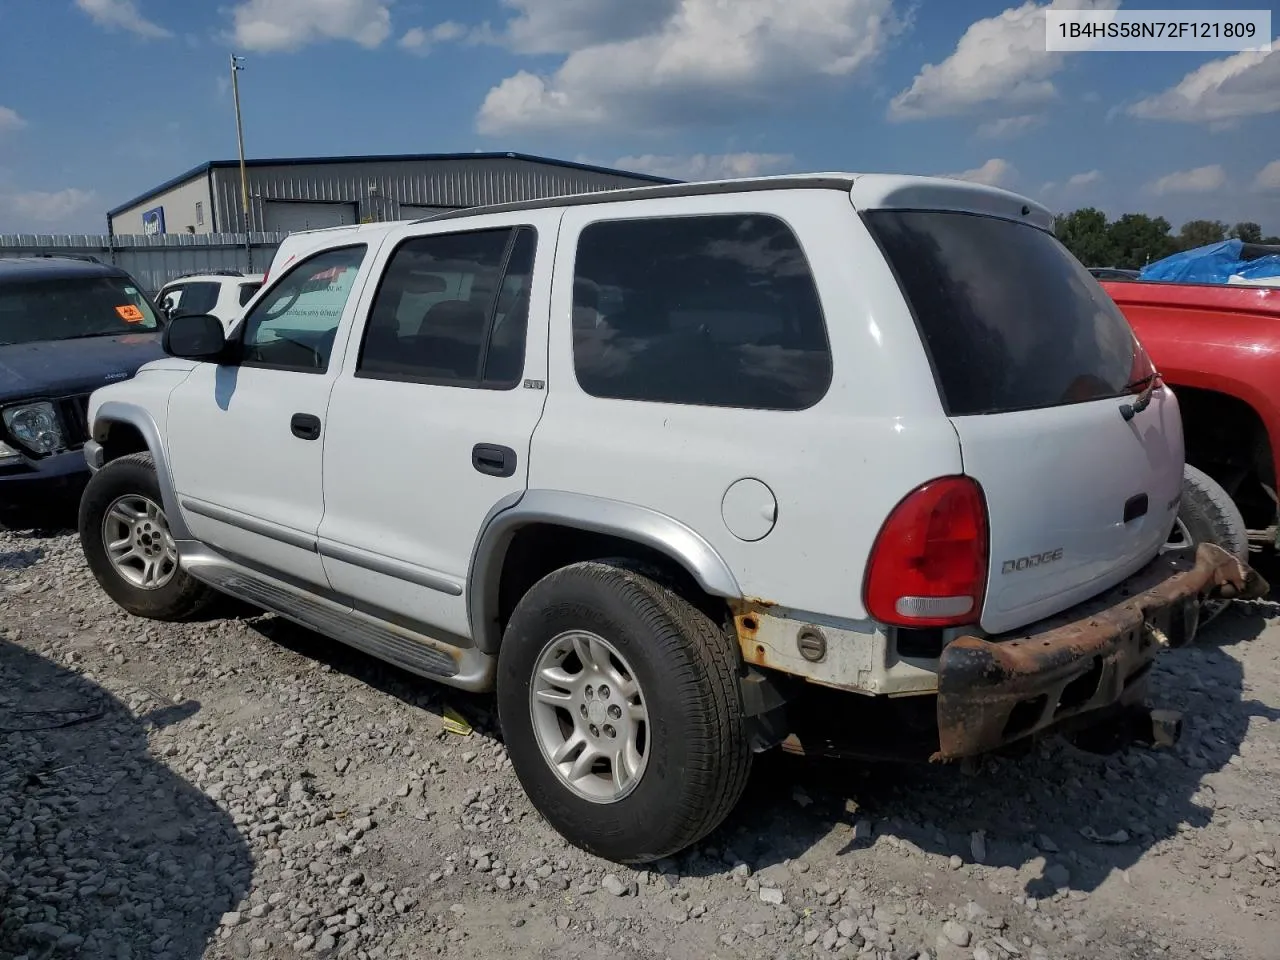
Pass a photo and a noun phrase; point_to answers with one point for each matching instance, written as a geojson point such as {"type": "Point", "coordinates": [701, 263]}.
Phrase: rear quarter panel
{"type": "Point", "coordinates": [836, 469]}
{"type": "Point", "coordinates": [1213, 337]}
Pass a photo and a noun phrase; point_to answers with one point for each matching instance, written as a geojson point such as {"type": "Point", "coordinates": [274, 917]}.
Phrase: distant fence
{"type": "Point", "coordinates": [154, 260]}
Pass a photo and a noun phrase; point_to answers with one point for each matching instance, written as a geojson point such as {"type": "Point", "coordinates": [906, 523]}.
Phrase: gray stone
{"type": "Point", "coordinates": [771, 895]}
{"type": "Point", "coordinates": [978, 846]}
{"type": "Point", "coordinates": [956, 933]}
{"type": "Point", "coordinates": [613, 886]}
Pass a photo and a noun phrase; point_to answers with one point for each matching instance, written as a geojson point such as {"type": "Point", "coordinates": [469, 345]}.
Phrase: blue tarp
{"type": "Point", "coordinates": [1214, 263]}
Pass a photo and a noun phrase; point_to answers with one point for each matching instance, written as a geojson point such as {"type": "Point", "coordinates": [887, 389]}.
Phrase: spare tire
{"type": "Point", "coordinates": [1207, 514]}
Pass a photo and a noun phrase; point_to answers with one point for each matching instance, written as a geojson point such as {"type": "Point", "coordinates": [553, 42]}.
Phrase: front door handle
{"type": "Point", "coordinates": [305, 426]}
{"type": "Point", "coordinates": [494, 460]}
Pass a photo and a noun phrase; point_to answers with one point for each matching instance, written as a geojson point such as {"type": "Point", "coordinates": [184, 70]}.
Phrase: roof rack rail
{"type": "Point", "coordinates": [206, 273]}
{"type": "Point", "coordinates": [66, 256]}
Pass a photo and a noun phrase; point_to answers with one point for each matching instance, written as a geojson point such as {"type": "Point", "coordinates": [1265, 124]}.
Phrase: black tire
{"type": "Point", "coordinates": [697, 752]}
{"type": "Point", "coordinates": [182, 597]}
{"type": "Point", "coordinates": [1209, 515]}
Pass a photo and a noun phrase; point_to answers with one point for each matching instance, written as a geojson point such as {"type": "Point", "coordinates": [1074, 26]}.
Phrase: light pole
{"type": "Point", "coordinates": [236, 67]}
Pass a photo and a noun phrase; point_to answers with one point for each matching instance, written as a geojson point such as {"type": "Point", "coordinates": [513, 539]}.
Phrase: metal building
{"type": "Point", "coordinates": [307, 192]}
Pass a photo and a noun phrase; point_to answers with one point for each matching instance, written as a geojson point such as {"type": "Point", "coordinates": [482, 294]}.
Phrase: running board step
{"type": "Point", "coordinates": [319, 615]}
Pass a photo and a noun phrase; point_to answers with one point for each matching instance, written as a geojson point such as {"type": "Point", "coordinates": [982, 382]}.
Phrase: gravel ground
{"type": "Point", "coordinates": [241, 787]}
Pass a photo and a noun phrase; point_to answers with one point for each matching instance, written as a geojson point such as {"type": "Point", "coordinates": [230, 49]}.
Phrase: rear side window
{"type": "Point", "coordinates": [1011, 320]}
{"type": "Point", "coordinates": [453, 309]}
{"type": "Point", "coordinates": [707, 310]}
{"type": "Point", "coordinates": [247, 290]}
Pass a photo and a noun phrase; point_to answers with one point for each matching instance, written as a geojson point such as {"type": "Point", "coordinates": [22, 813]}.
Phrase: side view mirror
{"type": "Point", "coordinates": [195, 337]}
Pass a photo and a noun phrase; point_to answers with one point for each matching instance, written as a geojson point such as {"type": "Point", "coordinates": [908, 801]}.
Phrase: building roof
{"type": "Point", "coordinates": [54, 268]}
{"type": "Point", "coordinates": [204, 168]}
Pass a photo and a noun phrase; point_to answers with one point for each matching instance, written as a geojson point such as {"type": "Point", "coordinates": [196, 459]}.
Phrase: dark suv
{"type": "Point", "coordinates": [67, 327]}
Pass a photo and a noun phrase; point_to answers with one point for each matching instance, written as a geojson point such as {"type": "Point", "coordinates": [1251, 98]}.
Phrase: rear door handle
{"type": "Point", "coordinates": [305, 426]}
{"type": "Point", "coordinates": [494, 460]}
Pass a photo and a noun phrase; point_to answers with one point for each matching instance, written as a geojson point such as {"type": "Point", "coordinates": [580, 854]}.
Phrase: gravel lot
{"type": "Point", "coordinates": [243, 788]}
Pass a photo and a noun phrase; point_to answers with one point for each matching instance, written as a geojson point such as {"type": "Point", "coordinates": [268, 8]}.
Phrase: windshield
{"type": "Point", "coordinates": [1011, 319]}
{"type": "Point", "coordinates": [73, 307]}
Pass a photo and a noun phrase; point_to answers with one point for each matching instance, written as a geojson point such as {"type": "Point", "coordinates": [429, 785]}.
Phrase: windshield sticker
{"type": "Point", "coordinates": [129, 313]}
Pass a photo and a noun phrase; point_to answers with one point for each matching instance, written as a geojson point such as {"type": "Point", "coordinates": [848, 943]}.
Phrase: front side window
{"type": "Point", "coordinates": [192, 299]}
{"type": "Point", "coordinates": [72, 308]}
{"type": "Point", "coordinates": [294, 325]}
{"type": "Point", "coordinates": [452, 309]}
{"type": "Point", "coordinates": [247, 290]}
{"type": "Point", "coordinates": [707, 310]}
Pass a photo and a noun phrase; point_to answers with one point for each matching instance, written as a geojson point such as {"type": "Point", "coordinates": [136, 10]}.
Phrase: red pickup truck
{"type": "Point", "coordinates": [1218, 347]}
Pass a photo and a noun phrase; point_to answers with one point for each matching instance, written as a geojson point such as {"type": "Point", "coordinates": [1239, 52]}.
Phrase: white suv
{"type": "Point", "coordinates": [222, 295]}
{"type": "Point", "coordinates": [669, 466]}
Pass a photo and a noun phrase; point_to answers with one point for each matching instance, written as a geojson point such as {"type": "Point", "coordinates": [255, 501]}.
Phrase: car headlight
{"type": "Point", "coordinates": [35, 426]}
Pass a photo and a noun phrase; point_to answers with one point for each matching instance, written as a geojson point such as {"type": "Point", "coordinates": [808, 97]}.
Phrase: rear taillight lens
{"type": "Point", "coordinates": [928, 566]}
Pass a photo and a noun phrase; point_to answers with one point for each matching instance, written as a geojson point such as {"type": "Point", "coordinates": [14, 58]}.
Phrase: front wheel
{"type": "Point", "coordinates": [621, 711]}
{"type": "Point", "coordinates": [125, 536]}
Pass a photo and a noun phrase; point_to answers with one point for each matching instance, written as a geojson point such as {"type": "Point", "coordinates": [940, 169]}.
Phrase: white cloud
{"type": "Point", "coordinates": [701, 166]}
{"type": "Point", "coordinates": [1241, 85]}
{"type": "Point", "coordinates": [1001, 59]}
{"type": "Point", "coordinates": [994, 173]}
{"type": "Point", "coordinates": [1199, 180]}
{"type": "Point", "coordinates": [688, 62]}
{"type": "Point", "coordinates": [123, 15]}
{"type": "Point", "coordinates": [35, 208]}
{"type": "Point", "coordinates": [420, 41]}
{"type": "Point", "coordinates": [1084, 179]}
{"type": "Point", "coordinates": [10, 120]}
{"type": "Point", "coordinates": [286, 25]}
{"type": "Point", "coordinates": [1268, 177]}
{"type": "Point", "coordinates": [1008, 127]}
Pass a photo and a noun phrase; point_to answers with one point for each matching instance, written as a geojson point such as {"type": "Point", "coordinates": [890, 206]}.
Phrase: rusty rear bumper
{"type": "Point", "coordinates": [997, 690]}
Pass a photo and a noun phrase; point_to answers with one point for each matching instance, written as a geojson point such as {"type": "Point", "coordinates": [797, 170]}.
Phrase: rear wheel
{"type": "Point", "coordinates": [620, 708]}
{"type": "Point", "coordinates": [1207, 514]}
{"type": "Point", "coordinates": [126, 540]}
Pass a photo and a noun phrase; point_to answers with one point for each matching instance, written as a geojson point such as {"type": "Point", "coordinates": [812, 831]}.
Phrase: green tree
{"type": "Point", "coordinates": [1137, 239]}
{"type": "Point", "coordinates": [1084, 233]}
{"type": "Point", "coordinates": [1197, 233]}
{"type": "Point", "coordinates": [1247, 232]}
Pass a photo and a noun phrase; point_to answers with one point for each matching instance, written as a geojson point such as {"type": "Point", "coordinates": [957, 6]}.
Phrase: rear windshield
{"type": "Point", "coordinates": [1012, 321]}
{"type": "Point", "coordinates": [71, 308]}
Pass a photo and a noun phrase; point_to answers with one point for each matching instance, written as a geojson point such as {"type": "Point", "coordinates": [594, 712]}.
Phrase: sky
{"type": "Point", "coordinates": [101, 100]}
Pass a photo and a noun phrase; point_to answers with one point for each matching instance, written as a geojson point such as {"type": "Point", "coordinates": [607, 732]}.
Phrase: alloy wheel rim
{"type": "Point", "coordinates": [589, 716]}
{"type": "Point", "coordinates": [139, 543]}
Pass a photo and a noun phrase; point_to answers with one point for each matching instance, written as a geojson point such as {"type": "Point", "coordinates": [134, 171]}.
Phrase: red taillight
{"type": "Point", "coordinates": [928, 566]}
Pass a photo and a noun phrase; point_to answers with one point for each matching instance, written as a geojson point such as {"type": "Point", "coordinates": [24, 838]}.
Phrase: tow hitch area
{"type": "Point", "coordinates": [997, 690]}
